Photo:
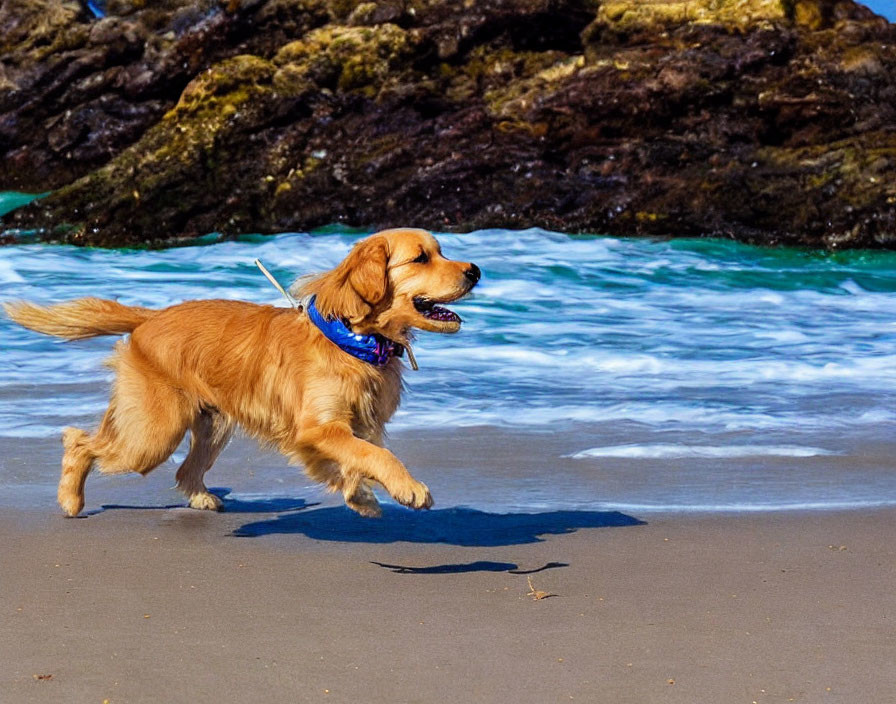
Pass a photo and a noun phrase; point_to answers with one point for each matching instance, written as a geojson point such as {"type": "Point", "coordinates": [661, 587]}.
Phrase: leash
{"type": "Point", "coordinates": [270, 277]}
{"type": "Point", "coordinates": [302, 306]}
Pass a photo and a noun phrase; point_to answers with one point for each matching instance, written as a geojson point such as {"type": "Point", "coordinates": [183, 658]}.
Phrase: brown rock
{"type": "Point", "coordinates": [767, 121]}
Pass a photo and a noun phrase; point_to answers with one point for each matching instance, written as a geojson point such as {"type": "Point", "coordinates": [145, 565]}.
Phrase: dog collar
{"type": "Point", "coordinates": [373, 349]}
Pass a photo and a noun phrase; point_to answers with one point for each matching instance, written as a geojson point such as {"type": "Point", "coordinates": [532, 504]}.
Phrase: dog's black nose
{"type": "Point", "coordinates": [473, 274]}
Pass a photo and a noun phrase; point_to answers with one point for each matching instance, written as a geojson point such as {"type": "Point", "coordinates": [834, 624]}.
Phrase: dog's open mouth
{"type": "Point", "coordinates": [429, 310]}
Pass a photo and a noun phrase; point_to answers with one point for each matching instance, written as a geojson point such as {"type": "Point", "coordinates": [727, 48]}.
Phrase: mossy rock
{"type": "Point", "coordinates": [513, 101]}
{"type": "Point", "coordinates": [341, 9]}
{"type": "Point", "coordinates": [228, 83]}
{"type": "Point", "coordinates": [630, 16]}
{"type": "Point", "coordinates": [42, 27]}
{"type": "Point", "coordinates": [349, 58]}
{"type": "Point", "coordinates": [754, 119]}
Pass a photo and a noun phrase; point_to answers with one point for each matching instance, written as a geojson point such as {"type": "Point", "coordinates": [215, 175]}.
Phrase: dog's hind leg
{"type": "Point", "coordinates": [209, 433]}
{"type": "Point", "coordinates": [145, 421]}
{"type": "Point", "coordinates": [77, 461]}
{"type": "Point", "coordinates": [121, 444]}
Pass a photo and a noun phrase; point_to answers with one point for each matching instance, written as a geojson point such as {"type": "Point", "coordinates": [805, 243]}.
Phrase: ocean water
{"type": "Point", "coordinates": [591, 372]}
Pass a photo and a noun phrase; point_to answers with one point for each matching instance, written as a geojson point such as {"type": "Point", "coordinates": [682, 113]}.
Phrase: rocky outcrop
{"type": "Point", "coordinates": [770, 121]}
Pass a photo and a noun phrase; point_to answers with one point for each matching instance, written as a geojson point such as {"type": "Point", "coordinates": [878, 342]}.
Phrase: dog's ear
{"type": "Point", "coordinates": [367, 269]}
{"type": "Point", "coordinates": [353, 288]}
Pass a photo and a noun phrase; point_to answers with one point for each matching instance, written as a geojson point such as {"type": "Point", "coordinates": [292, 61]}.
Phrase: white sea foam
{"type": "Point", "coordinates": [745, 506]}
{"type": "Point", "coordinates": [659, 415]}
{"type": "Point", "coordinates": [29, 429]}
{"type": "Point", "coordinates": [675, 371]}
{"type": "Point", "coordinates": [8, 274]}
{"type": "Point", "coordinates": [671, 451]}
{"type": "Point", "coordinates": [877, 416]}
{"type": "Point", "coordinates": [784, 336]}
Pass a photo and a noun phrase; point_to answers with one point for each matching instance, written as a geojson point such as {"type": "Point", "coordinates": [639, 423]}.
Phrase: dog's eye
{"type": "Point", "coordinates": [421, 259]}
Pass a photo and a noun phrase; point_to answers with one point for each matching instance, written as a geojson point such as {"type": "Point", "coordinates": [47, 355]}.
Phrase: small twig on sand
{"type": "Point", "coordinates": [537, 594]}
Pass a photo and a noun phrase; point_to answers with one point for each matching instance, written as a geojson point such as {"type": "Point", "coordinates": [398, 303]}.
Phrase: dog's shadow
{"type": "Point", "coordinates": [453, 526]}
{"type": "Point", "coordinates": [231, 505]}
{"type": "Point", "coordinates": [478, 566]}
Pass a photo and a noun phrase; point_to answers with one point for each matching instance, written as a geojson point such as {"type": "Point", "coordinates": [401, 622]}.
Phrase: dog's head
{"type": "Point", "coordinates": [393, 281]}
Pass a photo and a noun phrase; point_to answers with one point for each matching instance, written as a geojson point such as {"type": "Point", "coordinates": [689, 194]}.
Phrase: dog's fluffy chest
{"type": "Point", "coordinates": [374, 401]}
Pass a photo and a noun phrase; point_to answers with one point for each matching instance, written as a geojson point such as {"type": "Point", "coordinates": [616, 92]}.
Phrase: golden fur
{"type": "Point", "coordinates": [209, 365]}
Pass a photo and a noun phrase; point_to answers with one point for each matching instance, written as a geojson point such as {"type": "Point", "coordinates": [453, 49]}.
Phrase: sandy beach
{"type": "Point", "coordinates": [297, 604]}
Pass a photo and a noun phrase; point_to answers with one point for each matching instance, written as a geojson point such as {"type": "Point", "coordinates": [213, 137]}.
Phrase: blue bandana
{"type": "Point", "coordinates": [373, 349]}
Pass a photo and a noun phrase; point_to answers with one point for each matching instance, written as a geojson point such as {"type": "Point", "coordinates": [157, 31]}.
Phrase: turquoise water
{"type": "Point", "coordinates": [591, 371]}
{"type": "Point", "coordinates": [10, 200]}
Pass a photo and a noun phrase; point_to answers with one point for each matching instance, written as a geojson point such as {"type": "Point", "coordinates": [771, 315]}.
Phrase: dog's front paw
{"type": "Point", "coordinates": [205, 501]}
{"type": "Point", "coordinates": [414, 494]}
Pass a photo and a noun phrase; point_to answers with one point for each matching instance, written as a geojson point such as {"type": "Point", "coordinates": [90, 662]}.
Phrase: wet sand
{"type": "Point", "coordinates": [272, 602]}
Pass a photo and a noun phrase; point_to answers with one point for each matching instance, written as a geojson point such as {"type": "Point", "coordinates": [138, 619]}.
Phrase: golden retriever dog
{"type": "Point", "coordinates": [209, 365]}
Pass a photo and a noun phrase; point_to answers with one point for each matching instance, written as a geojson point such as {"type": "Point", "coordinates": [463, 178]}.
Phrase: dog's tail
{"type": "Point", "coordinates": [78, 319]}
